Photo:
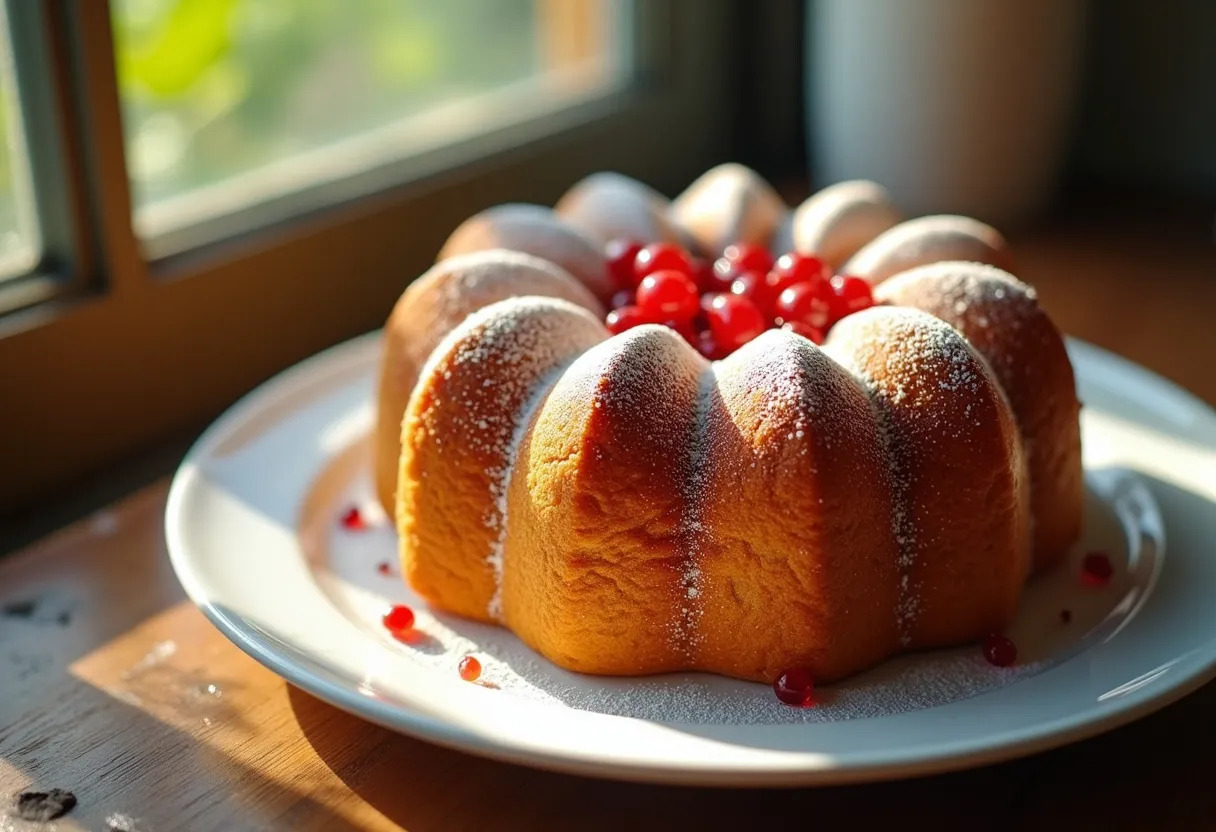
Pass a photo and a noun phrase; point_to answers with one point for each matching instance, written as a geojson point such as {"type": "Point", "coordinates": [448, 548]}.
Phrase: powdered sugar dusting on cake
{"type": "Point", "coordinates": [972, 296]}
{"type": "Point", "coordinates": [694, 531]}
{"type": "Point", "coordinates": [501, 478]}
{"type": "Point", "coordinates": [894, 366]}
{"type": "Point", "coordinates": [620, 381]}
{"type": "Point", "coordinates": [918, 370]}
{"type": "Point", "coordinates": [496, 367]}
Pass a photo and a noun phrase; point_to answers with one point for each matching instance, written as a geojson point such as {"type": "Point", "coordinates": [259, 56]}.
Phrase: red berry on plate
{"type": "Point", "coordinates": [805, 330]}
{"type": "Point", "coordinates": [625, 297]}
{"type": "Point", "coordinates": [469, 669]}
{"type": "Point", "coordinates": [852, 294]}
{"type": "Point", "coordinates": [808, 303]}
{"type": "Point", "coordinates": [668, 294]}
{"type": "Point", "coordinates": [627, 317]}
{"type": "Point", "coordinates": [352, 520]}
{"type": "Point", "coordinates": [1096, 569]}
{"type": "Point", "coordinates": [1000, 651]}
{"type": "Point", "coordinates": [748, 258]}
{"type": "Point", "coordinates": [621, 255]}
{"type": "Point", "coordinates": [398, 619]}
{"type": "Point", "coordinates": [795, 687]}
{"type": "Point", "coordinates": [733, 320]}
{"type": "Point", "coordinates": [661, 257]}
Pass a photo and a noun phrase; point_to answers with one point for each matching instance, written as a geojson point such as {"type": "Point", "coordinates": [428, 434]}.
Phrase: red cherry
{"type": "Point", "coordinates": [661, 257]}
{"type": "Point", "coordinates": [625, 297]}
{"type": "Point", "coordinates": [668, 294]}
{"type": "Point", "coordinates": [469, 669]}
{"type": "Point", "coordinates": [621, 255]}
{"type": "Point", "coordinates": [851, 294]}
{"type": "Point", "coordinates": [719, 279]}
{"type": "Point", "coordinates": [790, 270]}
{"type": "Point", "coordinates": [999, 650]}
{"type": "Point", "coordinates": [703, 275]}
{"type": "Point", "coordinates": [805, 330]}
{"type": "Point", "coordinates": [748, 258]}
{"type": "Point", "coordinates": [352, 520]}
{"type": "Point", "coordinates": [627, 317]}
{"type": "Point", "coordinates": [399, 619]}
{"type": "Point", "coordinates": [1096, 569]}
{"type": "Point", "coordinates": [795, 687]}
{"type": "Point", "coordinates": [808, 303]}
{"type": "Point", "coordinates": [708, 346]}
{"type": "Point", "coordinates": [794, 268]}
{"type": "Point", "coordinates": [749, 285]}
{"type": "Point", "coordinates": [733, 320]}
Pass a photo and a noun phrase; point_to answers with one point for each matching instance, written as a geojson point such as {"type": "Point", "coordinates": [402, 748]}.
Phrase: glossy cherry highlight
{"type": "Point", "coordinates": [795, 687]}
{"type": "Point", "coordinates": [621, 255]}
{"type": "Point", "coordinates": [668, 294]}
{"type": "Point", "coordinates": [733, 320]}
{"type": "Point", "coordinates": [469, 669]}
{"type": "Point", "coordinates": [999, 650]}
{"type": "Point", "coordinates": [661, 257]}
{"type": "Point", "coordinates": [399, 619]}
{"type": "Point", "coordinates": [626, 317]}
{"type": "Point", "coordinates": [718, 306]}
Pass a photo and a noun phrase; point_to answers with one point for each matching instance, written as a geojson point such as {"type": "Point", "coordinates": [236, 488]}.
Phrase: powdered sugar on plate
{"type": "Point", "coordinates": [345, 568]}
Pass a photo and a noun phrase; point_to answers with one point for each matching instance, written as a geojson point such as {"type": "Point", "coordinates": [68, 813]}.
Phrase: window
{"type": "Point", "coordinates": [233, 103]}
{"type": "Point", "coordinates": [206, 191]}
{"type": "Point", "coordinates": [19, 241]}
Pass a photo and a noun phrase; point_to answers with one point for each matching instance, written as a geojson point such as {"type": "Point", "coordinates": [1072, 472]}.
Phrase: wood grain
{"type": "Point", "coordinates": [206, 739]}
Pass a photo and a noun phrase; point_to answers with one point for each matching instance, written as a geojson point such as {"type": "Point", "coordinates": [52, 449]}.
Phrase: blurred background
{"type": "Point", "coordinates": [195, 194]}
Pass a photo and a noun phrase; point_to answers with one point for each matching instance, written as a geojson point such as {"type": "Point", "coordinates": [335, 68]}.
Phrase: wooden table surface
{"type": "Point", "coordinates": [115, 687]}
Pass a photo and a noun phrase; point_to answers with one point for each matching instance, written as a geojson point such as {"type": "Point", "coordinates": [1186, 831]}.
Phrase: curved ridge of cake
{"type": "Point", "coordinates": [635, 537]}
{"type": "Point", "coordinates": [627, 507]}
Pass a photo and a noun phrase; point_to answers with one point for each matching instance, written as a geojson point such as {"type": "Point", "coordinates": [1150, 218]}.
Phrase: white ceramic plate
{"type": "Point", "coordinates": [254, 535]}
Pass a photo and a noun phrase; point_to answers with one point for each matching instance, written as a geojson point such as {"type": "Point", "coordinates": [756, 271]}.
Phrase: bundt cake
{"type": "Point", "coordinates": [799, 470]}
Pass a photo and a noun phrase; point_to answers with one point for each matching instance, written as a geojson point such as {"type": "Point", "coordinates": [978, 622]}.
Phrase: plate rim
{"type": "Point", "coordinates": [397, 716]}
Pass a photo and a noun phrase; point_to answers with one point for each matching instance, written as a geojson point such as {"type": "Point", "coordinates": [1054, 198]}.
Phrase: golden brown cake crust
{"type": "Point", "coordinates": [458, 443]}
{"type": "Point", "coordinates": [628, 508]}
{"type": "Point", "coordinates": [595, 534]}
{"type": "Point", "coordinates": [606, 206]}
{"type": "Point", "coordinates": [795, 551]}
{"type": "Point", "coordinates": [535, 230]}
{"type": "Point", "coordinates": [430, 308]}
{"type": "Point", "coordinates": [1000, 316]}
{"type": "Point", "coordinates": [834, 223]}
{"type": "Point", "coordinates": [929, 240]}
{"type": "Point", "coordinates": [728, 204]}
{"type": "Point", "coordinates": [959, 480]}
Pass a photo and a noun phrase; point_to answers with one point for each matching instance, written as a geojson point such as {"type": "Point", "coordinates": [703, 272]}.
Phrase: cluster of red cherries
{"type": "Point", "coordinates": [719, 306]}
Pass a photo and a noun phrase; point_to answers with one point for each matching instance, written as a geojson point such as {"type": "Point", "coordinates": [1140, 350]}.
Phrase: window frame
{"type": "Point", "coordinates": [159, 347]}
{"type": "Point", "coordinates": [37, 39]}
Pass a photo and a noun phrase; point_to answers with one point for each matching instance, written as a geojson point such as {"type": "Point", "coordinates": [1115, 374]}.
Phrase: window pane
{"type": "Point", "coordinates": [230, 102]}
{"type": "Point", "coordinates": [19, 243]}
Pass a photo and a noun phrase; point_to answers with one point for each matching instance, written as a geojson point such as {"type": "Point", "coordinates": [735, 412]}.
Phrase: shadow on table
{"type": "Point", "coordinates": [1154, 773]}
